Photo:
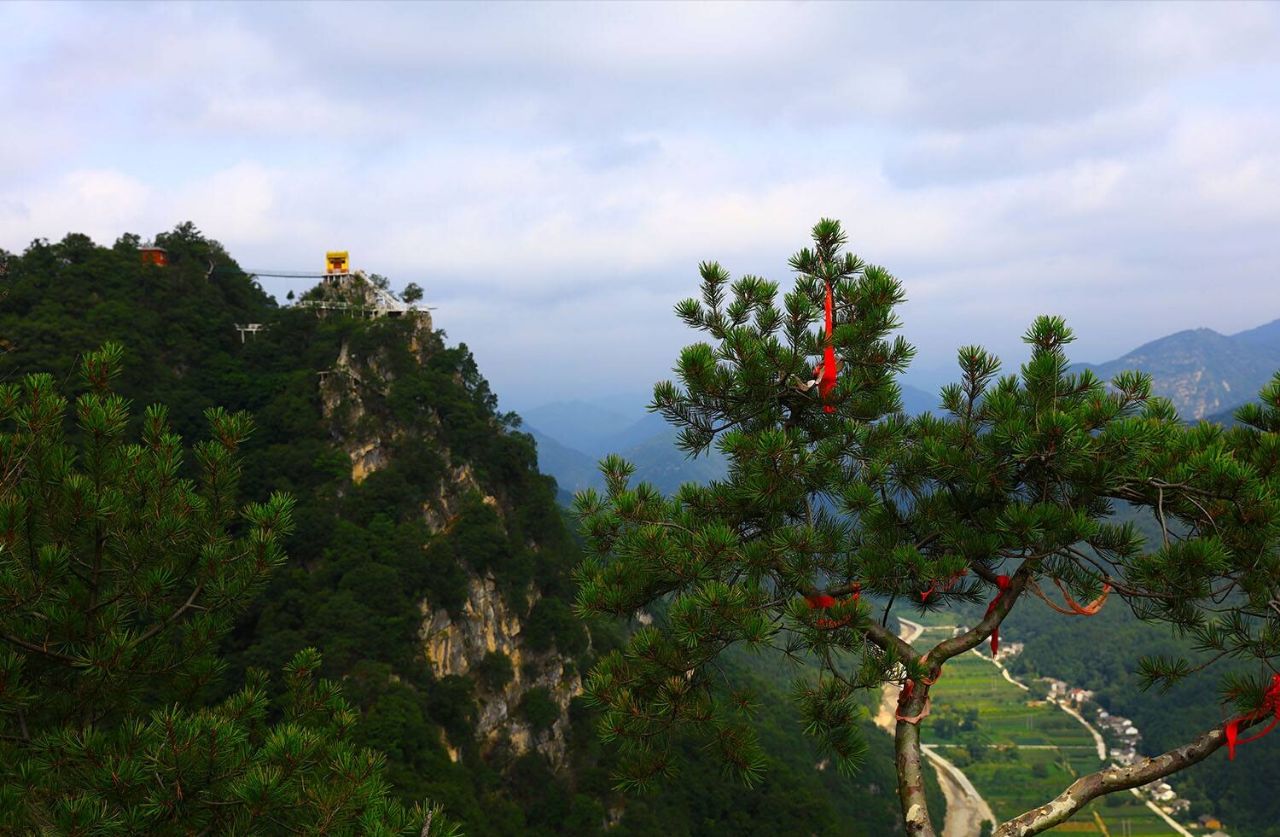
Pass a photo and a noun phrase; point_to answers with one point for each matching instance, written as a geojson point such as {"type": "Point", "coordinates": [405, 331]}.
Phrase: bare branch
{"type": "Point", "coordinates": [975, 636]}
{"type": "Point", "coordinates": [44, 651]}
{"type": "Point", "coordinates": [885, 639]}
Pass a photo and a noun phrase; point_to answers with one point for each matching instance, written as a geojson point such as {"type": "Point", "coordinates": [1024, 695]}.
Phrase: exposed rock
{"type": "Point", "coordinates": [350, 392]}
{"type": "Point", "coordinates": [488, 624]}
{"type": "Point", "coordinates": [343, 392]}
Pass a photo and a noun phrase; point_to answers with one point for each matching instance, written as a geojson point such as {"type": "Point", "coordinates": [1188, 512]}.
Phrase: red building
{"type": "Point", "coordinates": [157, 256]}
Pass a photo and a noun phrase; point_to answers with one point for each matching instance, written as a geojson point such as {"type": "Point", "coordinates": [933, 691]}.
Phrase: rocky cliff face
{"type": "Point", "coordinates": [488, 624]}
{"type": "Point", "coordinates": [351, 392]}
{"type": "Point", "coordinates": [346, 387]}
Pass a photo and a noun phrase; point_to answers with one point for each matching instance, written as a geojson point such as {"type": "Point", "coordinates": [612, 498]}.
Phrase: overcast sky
{"type": "Point", "coordinates": [552, 174]}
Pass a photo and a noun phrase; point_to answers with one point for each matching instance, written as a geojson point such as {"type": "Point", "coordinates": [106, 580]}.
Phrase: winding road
{"type": "Point", "coordinates": [1101, 748]}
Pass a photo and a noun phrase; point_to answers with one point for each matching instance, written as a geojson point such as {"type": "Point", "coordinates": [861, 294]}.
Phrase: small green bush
{"type": "Point", "coordinates": [539, 709]}
{"type": "Point", "coordinates": [494, 671]}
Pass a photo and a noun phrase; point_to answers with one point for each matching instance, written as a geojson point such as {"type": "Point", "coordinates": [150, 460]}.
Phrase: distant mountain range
{"type": "Point", "coordinates": [573, 436]}
{"type": "Point", "coordinates": [648, 443]}
{"type": "Point", "coordinates": [1205, 374]}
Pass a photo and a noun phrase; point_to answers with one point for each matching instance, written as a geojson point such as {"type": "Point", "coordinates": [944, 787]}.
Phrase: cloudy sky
{"type": "Point", "coordinates": [552, 174]}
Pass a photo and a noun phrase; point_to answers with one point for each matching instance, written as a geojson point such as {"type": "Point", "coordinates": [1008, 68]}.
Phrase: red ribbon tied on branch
{"type": "Point", "coordinates": [1002, 582]}
{"type": "Point", "coordinates": [826, 372]}
{"type": "Point", "coordinates": [1270, 706]}
{"type": "Point", "coordinates": [946, 585]}
{"type": "Point", "coordinates": [908, 689]}
{"type": "Point", "coordinates": [822, 601]}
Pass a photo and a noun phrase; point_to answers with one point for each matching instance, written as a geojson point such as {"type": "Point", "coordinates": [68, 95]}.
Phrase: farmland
{"type": "Point", "coordinates": [1020, 752]}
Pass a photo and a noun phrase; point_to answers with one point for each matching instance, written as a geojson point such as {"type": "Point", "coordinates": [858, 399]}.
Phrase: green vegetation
{"type": "Point", "coordinates": [494, 671]}
{"type": "Point", "coordinates": [539, 708]}
{"type": "Point", "coordinates": [801, 792]}
{"type": "Point", "coordinates": [118, 577]}
{"type": "Point", "coordinates": [362, 556]}
{"type": "Point", "coordinates": [365, 554]}
{"type": "Point", "coordinates": [1019, 751]}
{"type": "Point", "coordinates": [834, 496]}
{"type": "Point", "coordinates": [1101, 653]}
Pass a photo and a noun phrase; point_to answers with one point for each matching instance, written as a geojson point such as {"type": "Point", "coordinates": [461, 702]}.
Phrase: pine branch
{"type": "Point", "coordinates": [37, 649]}
{"type": "Point", "coordinates": [976, 635]}
{"type": "Point", "coordinates": [887, 640]}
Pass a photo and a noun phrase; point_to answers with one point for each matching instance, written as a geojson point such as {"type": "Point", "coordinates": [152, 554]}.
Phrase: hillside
{"type": "Point", "coordinates": [430, 562]}
{"type": "Point", "coordinates": [1202, 372]}
{"type": "Point", "coordinates": [1101, 654]}
{"type": "Point", "coordinates": [1265, 336]}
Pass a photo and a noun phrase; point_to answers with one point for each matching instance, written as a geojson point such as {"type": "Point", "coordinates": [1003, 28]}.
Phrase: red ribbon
{"type": "Point", "coordinates": [821, 601]}
{"type": "Point", "coordinates": [1270, 706]}
{"type": "Point", "coordinates": [907, 689]}
{"type": "Point", "coordinates": [1073, 607]}
{"type": "Point", "coordinates": [826, 371]}
{"type": "Point", "coordinates": [1002, 581]}
{"type": "Point", "coordinates": [933, 585]}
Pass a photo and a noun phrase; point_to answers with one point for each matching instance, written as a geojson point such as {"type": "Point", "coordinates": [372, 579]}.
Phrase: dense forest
{"type": "Point", "coordinates": [456, 495]}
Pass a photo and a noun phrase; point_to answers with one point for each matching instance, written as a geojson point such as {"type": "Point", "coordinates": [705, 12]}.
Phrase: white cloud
{"type": "Point", "coordinates": [553, 174]}
{"type": "Point", "coordinates": [100, 203]}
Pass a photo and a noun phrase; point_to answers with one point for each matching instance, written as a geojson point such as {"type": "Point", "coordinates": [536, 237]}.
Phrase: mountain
{"type": "Point", "coordinates": [636, 433]}
{"type": "Point", "coordinates": [916, 401]}
{"type": "Point", "coordinates": [431, 564]}
{"type": "Point", "coordinates": [573, 436]}
{"type": "Point", "coordinates": [583, 425]}
{"type": "Point", "coordinates": [1201, 371]}
{"type": "Point", "coordinates": [657, 459]}
{"type": "Point", "coordinates": [1265, 336]}
{"type": "Point", "coordinates": [573, 469]}
{"type": "Point", "coordinates": [570, 451]}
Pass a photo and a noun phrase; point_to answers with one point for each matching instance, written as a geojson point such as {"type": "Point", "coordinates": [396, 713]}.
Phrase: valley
{"type": "Point", "coordinates": [1016, 751]}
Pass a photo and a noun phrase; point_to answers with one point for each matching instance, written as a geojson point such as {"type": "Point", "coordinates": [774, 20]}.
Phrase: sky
{"type": "Point", "coordinates": [552, 174]}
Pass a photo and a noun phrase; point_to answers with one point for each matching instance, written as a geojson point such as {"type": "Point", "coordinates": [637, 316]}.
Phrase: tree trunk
{"type": "Point", "coordinates": [911, 791]}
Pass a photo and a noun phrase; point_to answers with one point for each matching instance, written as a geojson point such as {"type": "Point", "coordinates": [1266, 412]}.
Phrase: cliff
{"type": "Point", "coordinates": [487, 625]}
{"type": "Point", "coordinates": [455, 642]}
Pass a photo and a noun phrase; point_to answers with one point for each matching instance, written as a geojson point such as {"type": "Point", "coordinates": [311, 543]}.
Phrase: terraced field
{"type": "Point", "coordinates": [1020, 753]}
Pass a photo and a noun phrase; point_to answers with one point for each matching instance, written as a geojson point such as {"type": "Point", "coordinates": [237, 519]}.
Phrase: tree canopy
{"type": "Point", "coordinates": [121, 568]}
{"type": "Point", "coordinates": [363, 556]}
{"type": "Point", "coordinates": [831, 518]}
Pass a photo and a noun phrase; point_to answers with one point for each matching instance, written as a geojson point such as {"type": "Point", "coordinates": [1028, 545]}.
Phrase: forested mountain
{"type": "Point", "coordinates": [430, 562]}
{"type": "Point", "coordinates": [1202, 372]}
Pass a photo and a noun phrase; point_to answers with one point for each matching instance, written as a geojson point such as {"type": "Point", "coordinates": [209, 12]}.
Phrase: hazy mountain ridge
{"type": "Point", "coordinates": [1204, 373]}
{"type": "Point", "coordinates": [573, 436]}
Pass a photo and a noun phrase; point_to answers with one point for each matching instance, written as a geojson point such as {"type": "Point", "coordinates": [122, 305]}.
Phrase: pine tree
{"type": "Point", "coordinates": [837, 507]}
{"type": "Point", "coordinates": [121, 569]}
